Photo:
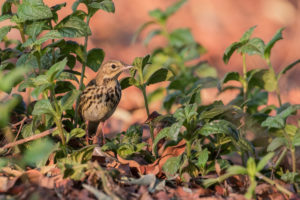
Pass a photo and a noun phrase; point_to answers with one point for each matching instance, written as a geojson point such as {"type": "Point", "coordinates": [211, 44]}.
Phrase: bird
{"type": "Point", "coordinates": [100, 98]}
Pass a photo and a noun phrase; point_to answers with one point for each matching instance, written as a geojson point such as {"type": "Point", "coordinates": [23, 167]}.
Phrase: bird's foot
{"type": "Point", "coordinates": [98, 140]}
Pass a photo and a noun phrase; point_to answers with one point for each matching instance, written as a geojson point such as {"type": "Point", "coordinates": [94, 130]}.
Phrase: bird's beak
{"type": "Point", "coordinates": [127, 67]}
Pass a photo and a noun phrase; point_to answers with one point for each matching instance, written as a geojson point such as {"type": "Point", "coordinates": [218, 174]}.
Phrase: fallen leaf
{"type": "Point", "coordinates": [219, 190]}
{"type": "Point", "coordinates": [37, 178]}
{"type": "Point", "coordinates": [6, 183]}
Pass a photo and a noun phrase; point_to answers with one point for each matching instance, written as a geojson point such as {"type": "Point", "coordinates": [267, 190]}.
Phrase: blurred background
{"type": "Point", "coordinates": [214, 24]}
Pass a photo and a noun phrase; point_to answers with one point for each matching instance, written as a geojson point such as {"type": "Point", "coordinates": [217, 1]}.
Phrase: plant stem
{"type": "Point", "coordinates": [278, 186]}
{"type": "Point", "coordinates": [82, 70]}
{"type": "Point", "coordinates": [278, 93]}
{"type": "Point", "coordinates": [21, 29]}
{"type": "Point", "coordinates": [245, 83]}
{"type": "Point", "coordinates": [61, 134]}
{"type": "Point", "coordinates": [188, 148]}
{"type": "Point", "coordinates": [57, 118]}
{"type": "Point", "coordinates": [245, 87]}
{"type": "Point", "coordinates": [143, 88]}
{"type": "Point", "coordinates": [283, 153]}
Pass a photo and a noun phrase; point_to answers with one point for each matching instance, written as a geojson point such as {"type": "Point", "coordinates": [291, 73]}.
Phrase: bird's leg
{"type": "Point", "coordinates": [100, 133]}
{"type": "Point", "coordinates": [87, 136]}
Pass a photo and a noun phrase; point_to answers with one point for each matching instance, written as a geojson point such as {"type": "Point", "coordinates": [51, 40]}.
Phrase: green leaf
{"type": "Point", "coordinates": [236, 170]}
{"type": "Point", "coordinates": [34, 29]}
{"type": "Point", "coordinates": [77, 133]}
{"type": "Point", "coordinates": [173, 8]}
{"type": "Point", "coordinates": [289, 111]}
{"type": "Point", "coordinates": [158, 15]}
{"type": "Point", "coordinates": [269, 46]}
{"type": "Point", "coordinates": [58, 7]}
{"type": "Point", "coordinates": [145, 61]}
{"type": "Point", "coordinates": [6, 7]}
{"type": "Point", "coordinates": [4, 17]}
{"type": "Point", "coordinates": [67, 100]}
{"type": "Point", "coordinates": [287, 68]}
{"type": "Point", "coordinates": [246, 36]}
{"type": "Point", "coordinates": [251, 167]}
{"type": "Point", "coordinates": [3, 31]}
{"type": "Point", "coordinates": [106, 5]}
{"type": "Point", "coordinates": [171, 166]}
{"type": "Point", "coordinates": [162, 134]}
{"type": "Point", "coordinates": [95, 58]}
{"type": "Point", "coordinates": [127, 82]}
{"type": "Point", "coordinates": [217, 110]}
{"type": "Point", "coordinates": [43, 107]}
{"type": "Point", "coordinates": [274, 122]}
{"type": "Point", "coordinates": [32, 10]}
{"type": "Point", "coordinates": [296, 139]}
{"type": "Point", "coordinates": [56, 69]}
{"type": "Point", "coordinates": [39, 89]}
{"type": "Point", "coordinates": [63, 87]}
{"type": "Point", "coordinates": [202, 158]}
{"type": "Point", "coordinates": [229, 76]}
{"type": "Point", "coordinates": [53, 34]}
{"type": "Point", "coordinates": [219, 126]}
{"type": "Point", "coordinates": [73, 26]}
{"type": "Point", "coordinates": [230, 50]}
{"type": "Point", "coordinates": [264, 161]}
{"type": "Point", "coordinates": [38, 151]}
{"type": "Point", "coordinates": [252, 47]}
{"type": "Point", "coordinates": [269, 78]}
{"type": "Point", "coordinates": [160, 75]}
{"type": "Point", "coordinates": [181, 37]}
{"type": "Point", "coordinates": [187, 113]}
{"type": "Point", "coordinates": [125, 150]}
{"type": "Point", "coordinates": [12, 78]}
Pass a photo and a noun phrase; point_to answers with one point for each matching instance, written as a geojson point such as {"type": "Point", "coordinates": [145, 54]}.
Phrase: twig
{"type": "Point", "coordinates": [271, 182]}
{"type": "Point", "coordinates": [19, 131]}
{"type": "Point", "coordinates": [20, 122]}
{"type": "Point", "coordinates": [34, 137]}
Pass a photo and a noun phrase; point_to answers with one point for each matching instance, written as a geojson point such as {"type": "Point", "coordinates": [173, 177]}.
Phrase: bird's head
{"type": "Point", "coordinates": [111, 70]}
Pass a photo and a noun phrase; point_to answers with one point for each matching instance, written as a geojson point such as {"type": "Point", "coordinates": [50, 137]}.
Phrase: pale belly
{"type": "Point", "coordinates": [98, 103]}
{"type": "Point", "coordinates": [99, 112]}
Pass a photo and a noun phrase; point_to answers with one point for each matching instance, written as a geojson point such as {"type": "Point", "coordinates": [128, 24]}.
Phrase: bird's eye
{"type": "Point", "coordinates": [113, 66]}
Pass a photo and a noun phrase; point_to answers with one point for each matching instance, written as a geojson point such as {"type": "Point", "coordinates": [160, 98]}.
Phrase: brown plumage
{"type": "Point", "coordinates": [100, 98]}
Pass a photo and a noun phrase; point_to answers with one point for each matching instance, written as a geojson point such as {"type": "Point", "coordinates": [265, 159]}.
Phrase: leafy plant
{"type": "Point", "coordinates": [253, 171]}
{"type": "Point", "coordinates": [45, 62]}
{"type": "Point", "coordinates": [255, 81]}
{"type": "Point", "coordinates": [181, 47]}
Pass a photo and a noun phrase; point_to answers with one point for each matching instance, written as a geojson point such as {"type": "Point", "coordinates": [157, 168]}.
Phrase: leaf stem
{"type": "Point", "coordinates": [278, 186]}
{"type": "Point", "coordinates": [245, 83]}
{"type": "Point", "coordinates": [143, 88]}
{"type": "Point", "coordinates": [82, 70]}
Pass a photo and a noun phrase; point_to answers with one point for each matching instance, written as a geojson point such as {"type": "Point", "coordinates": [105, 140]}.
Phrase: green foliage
{"type": "Point", "coordinates": [46, 56]}
{"type": "Point", "coordinates": [43, 63]}
{"type": "Point", "coordinates": [186, 81]}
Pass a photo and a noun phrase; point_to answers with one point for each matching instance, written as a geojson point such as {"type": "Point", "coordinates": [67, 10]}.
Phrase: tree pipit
{"type": "Point", "coordinates": [100, 98]}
